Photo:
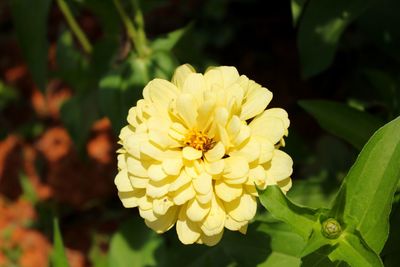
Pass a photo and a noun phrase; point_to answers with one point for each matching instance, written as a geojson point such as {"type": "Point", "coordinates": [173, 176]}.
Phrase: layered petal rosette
{"type": "Point", "coordinates": [195, 149]}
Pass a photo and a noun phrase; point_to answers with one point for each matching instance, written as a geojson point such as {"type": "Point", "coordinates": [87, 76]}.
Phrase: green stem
{"type": "Point", "coordinates": [138, 17]}
{"type": "Point", "coordinates": [134, 34]}
{"type": "Point", "coordinates": [79, 34]}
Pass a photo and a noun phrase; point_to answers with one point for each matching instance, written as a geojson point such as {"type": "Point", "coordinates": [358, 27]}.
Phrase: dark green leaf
{"type": "Point", "coordinates": [30, 21]}
{"type": "Point", "coordinates": [365, 198]}
{"type": "Point", "coordinates": [297, 7]}
{"type": "Point", "coordinates": [136, 245]}
{"type": "Point", "coordinates": [301, 219]}
{"type": "Point", "coordinates": [321, 25]}
{"type": "Point", "coordinates": [58, 257]}
{"type": "Point", "coordinates": [350, 124]}
{"type": "Point", "coordinates": [72, 66]}
{"type": "Point", "coordinates": [168, 42]}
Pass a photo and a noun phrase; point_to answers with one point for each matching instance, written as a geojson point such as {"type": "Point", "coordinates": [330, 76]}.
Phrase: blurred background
{"type": "Point", "coordinates": [70, 70]}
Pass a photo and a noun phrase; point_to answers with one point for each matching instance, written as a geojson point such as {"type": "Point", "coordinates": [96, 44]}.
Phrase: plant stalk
{"type": "Point", "coordinates": [73, 24]}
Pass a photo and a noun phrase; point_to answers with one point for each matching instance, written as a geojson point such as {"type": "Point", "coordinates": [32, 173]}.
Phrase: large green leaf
{"type": "Point", "coordinates": [350, 124]}
{"type": "Point", "coordinates": [301, 219]}
{"type": "Point", "coordinates": [355, 252]}
{"type": "Point", "coordinates": [321, 25]}
{"type": "Point", "coordinates": [365, 198]}
{"type": "Point", "coordinates": [136, 245]}
{"type": "Point", "coordinates": [30, 21]}
{"type": "Point", "coordinates": [58, 257]}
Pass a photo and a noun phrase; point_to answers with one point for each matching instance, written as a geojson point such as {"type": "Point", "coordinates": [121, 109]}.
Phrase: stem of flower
{"type": "Point", "coordinates": [79, 34]}
{"type": "Point", "coordinates": [135, 34]}
{"type": "Point", "coordinates": [138, 18]}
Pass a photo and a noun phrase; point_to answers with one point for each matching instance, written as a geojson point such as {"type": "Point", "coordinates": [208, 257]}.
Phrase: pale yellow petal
{"type": "Point", "coordinates": [234, 225]}
{"type": "Point", "coordinates": [156, 172]}
{"type": "Point", "coordinates": [188, 231]}
{"type": "Point", "coordinates": [181, 73]}
{"type": "Point", "coordinates": [172, 166]}
{"type": "Point", "coordinates": [191, 153]}
{"type": "Point", "coordinates": [214, 168]}
{"type": "Point", "coordinates": [138, 182]}
{"type": "Point", "coordinates": [214, 222]}
{"type": "Point", "coordinates": [228, 192]}
{"type": "Point", "coordinates": [184, 194]}
{"type": "Point", "coordinates": [148, 214]}
{"type": "Point", "coordinates": [255, 103]}
{"type": "Point", "coordinates": [216, 153]}
{"type": "Point", "coordinates": [162, 205]}
{"type": "Point", "coordinates": [180, 181]}
{"type": "Point", "coordinates": [211, 240]}
{"type": "Point", "coordinates": [195, 85]}
{"type": "Point", "coordinates": [160, 92]}
{"type": "Point", "coordinates": [130, 199]}
{"type": "Point", "coordinates": [243, 208]}
{"type": "Point", "coordinates": [280, 166]}
{"type": "Point", "coordinates": [122, 181]}
{"type": "Point", "coordinates": [204, 199]}
{"type": "Point", "coordinates": [158, 189]}
{"type": "Point", "coordinates": [250, 151]}
{"type": "Point", "coordinates": [202, 183]}
{"type": "Point", "coordinates": [235, 168]}
{"type": "Point", "coordinates": [164, 222]}
{"type": "Point", "coordinates": [186, 108]}
{"type": "Point", "coordinates": [197, 211]}
{"type": "Point", "coordinates": [136, 167]}
{"type": "Point", "coordinates": [222, 76]}
{"type": "Point", "coordinates": [285, 184]}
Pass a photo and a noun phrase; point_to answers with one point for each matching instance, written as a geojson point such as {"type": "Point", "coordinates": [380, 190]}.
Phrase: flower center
{"type": "Point", "coordinates": [198, 140]}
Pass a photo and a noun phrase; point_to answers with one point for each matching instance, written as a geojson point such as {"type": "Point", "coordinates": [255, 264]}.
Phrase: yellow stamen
{"type": "Point", "coordinates": [198, 140]}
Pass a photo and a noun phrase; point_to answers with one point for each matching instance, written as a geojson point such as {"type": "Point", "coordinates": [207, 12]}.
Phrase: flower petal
{"type": "Point", "coordinates": [130, 199]}
{"type": "Point", "coordinates": [186, 108]}
{"type": "Point", "coordinates": [165, 222]}
{"type": "Point", "coordinates": [243, 208]}
{"type": "Point", "coordinates": [228, 192]}
{"type": "Point", "coordinates": [214, 223]}
{"type": "Point", "coordinates": [162, 205]}
{"type": "Point", "coordinates": [181, 74]}
{"type": "Point", "coordinates": [188, 231]}
{"type": "Point", "coordinates": [280, 166]}
{"type": "Point", "coordinates": [202, 183]}
{"type": "Point", "coordinates": [172, 166]}
{"type": "Point", "coordinates": [211, 240]}
{"type": "Point", "coordinates": [216, 153]}
{"type": "Point", "coordinates": [235, 168]}
{"type": "Point", "coordinates": [196, 211]}
{"type": "Point", "coordinates": [255, 103]}
{"type": "Point", "coordinates": [191, 153]}
{"type": "Point", "coordinates": [122, 181]}
{"type": "Point", "coordinates": [184, 194]}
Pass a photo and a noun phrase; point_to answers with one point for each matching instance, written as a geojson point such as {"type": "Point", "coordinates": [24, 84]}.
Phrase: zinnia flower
{"type": "Point", "coordinates": [195, 149]}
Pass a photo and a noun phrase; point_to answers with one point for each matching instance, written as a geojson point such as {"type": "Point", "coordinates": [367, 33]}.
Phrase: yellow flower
{"type": "Point", "coordinates": [195, 148]}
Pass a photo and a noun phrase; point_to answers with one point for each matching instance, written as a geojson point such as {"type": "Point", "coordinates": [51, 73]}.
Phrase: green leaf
{"type": "Point", "coordinates": [58, 257]}
{"type": "Point", "coordinates": [72, 66]}
{"type": "Point", "coordinates": [265, 244]}
{"type": "Point", "coordinates": [31, 30]}
{"type": "Point", "coordinates": [355, 252]}
{"type": "Point", "coordinates": [168, 42]}
{"type": "Point", "coordinates": [136, 245]}
{"type": "Point", "coordinates": [321, 25]}
{"type": "Point", "coordinates": [365, 198]}
{"type": "Point", "coordinates": [297, 7]}
{"type": "Point", "coordinates": [301, 219]}
{"type": "Point", "coordinates": [320, 258]}
{"type": "Point", "coordinates": [350, 124]}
